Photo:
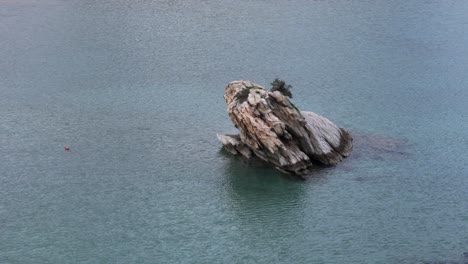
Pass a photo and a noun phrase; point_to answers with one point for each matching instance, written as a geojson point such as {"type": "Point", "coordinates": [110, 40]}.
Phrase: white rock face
{"type": "Point", "coordinates": [274, 130]}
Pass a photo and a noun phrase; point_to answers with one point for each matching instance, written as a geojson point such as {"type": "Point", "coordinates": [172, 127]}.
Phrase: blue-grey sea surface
{"type": "Point", "coordinates": [135, 88]}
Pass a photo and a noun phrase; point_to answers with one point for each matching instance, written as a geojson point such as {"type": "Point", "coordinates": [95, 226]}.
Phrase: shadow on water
{"type": "Point", "coordinates": [378, 147]}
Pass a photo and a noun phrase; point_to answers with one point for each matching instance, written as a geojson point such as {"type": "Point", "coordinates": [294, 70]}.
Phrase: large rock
{"type": "Point", "coordinates": [274, 130]}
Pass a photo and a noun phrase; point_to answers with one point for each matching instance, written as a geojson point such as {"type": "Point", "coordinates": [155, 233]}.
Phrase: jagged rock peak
{"type": "Point", "coordinates": [274, 130]}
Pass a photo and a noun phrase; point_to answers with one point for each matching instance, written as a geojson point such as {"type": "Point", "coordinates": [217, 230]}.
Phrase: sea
{"type": "Point", "coordinates": [135, 90]}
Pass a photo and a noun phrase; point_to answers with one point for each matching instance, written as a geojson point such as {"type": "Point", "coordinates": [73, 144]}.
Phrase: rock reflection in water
{"type": "Point", "coordinates": [259, 194]}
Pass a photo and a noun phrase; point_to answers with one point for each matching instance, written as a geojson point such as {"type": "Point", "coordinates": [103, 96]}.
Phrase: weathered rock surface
{"type": "Point", "coordinates": [274, 130]}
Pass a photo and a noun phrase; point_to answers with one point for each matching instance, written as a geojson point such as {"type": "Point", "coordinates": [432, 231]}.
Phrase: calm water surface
{"type": "Point", "coordinates": [135, 89]}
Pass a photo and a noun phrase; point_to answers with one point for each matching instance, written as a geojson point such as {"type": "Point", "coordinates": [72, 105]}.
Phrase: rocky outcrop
{"type": "Point", "coordinates": [274, 130]}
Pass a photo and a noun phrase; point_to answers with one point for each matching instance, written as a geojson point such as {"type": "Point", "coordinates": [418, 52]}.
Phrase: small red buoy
{"type": "Point", "coordinates": [66, 148]}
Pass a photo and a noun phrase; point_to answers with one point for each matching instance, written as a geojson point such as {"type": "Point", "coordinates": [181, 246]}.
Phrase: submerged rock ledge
{"type": "Point", "coordinates": [274, 130]}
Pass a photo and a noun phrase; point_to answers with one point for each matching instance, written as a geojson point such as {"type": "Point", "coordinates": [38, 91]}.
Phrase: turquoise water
{"type": "Point", "coordinates": [135, 89]}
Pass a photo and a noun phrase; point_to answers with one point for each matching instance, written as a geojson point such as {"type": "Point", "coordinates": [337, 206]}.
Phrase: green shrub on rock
{"type": "Point", "coordinates": [281, 86]}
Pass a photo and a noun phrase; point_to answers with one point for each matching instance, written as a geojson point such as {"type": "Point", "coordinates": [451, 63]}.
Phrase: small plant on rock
{"type": "Point", "coordinates": [281, 86]}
